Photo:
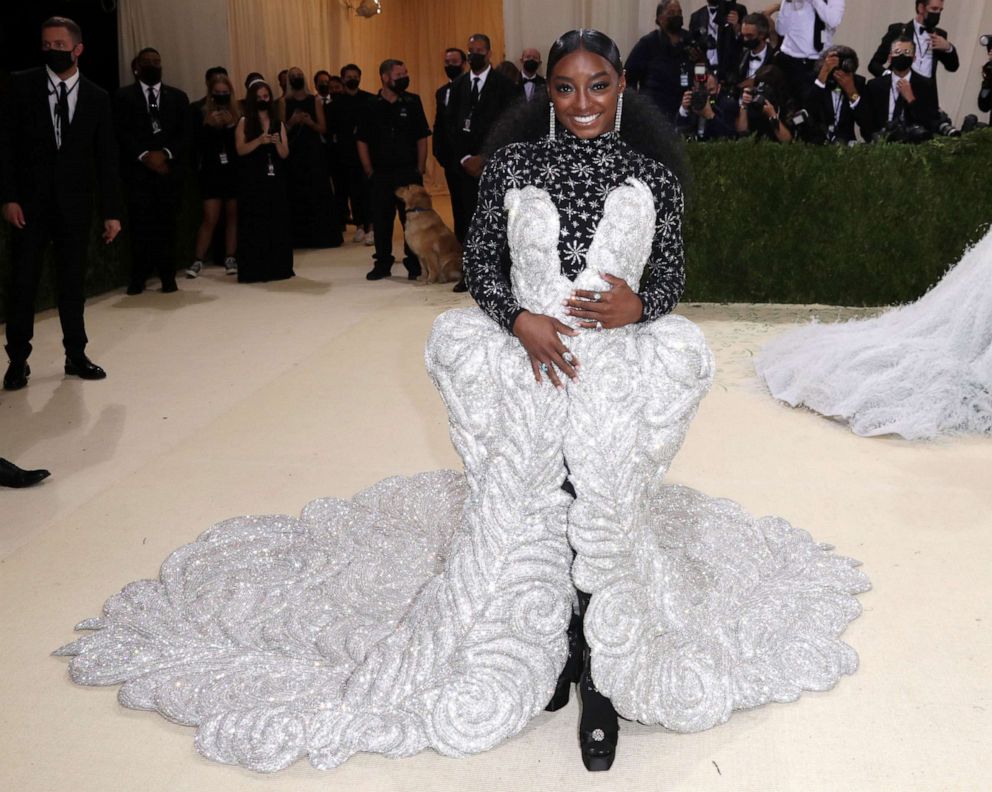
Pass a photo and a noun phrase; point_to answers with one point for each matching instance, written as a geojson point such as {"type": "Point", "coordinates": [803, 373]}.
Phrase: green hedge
{"type": "Point", "coordinates": [870, 225]}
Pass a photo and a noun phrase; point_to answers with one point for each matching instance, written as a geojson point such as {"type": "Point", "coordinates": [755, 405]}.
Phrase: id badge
{"type": "Point", "coordinates": [468, 125]}
{"type": "Point", "coordinates": [156, 126]}
{"type": "Point", "coordinates": [272, 168]}
{"type": "Point", "coordinates": [223, 158]}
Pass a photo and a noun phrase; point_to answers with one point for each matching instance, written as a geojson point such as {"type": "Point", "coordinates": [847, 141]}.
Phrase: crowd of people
{"type": "Point", "coordinates": [779, 74]}
{"type": "Point", "coordinates": [292, 164]}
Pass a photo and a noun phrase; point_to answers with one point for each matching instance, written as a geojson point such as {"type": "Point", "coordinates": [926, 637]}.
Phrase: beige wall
{"type": "Point", "coordinates": [536, 23]}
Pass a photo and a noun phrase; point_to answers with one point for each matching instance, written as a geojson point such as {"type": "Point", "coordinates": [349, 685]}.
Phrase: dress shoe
{"type": "Point", "coordinates": [168, 288]}
{"type": "Point", "coordinates": [460, 286]}
{"type": "Point", "coordinates": [135, 288]}
{"type": "Point", "coordinates": [16, 376]}
{"type": "Point", "coordinates": [376, 274]}
{"type": "Point", "coordinates": [598, 727]}
{"type": "Point", "coordinates": [412, 274]}
{"type": "Point", "coordinates": [84, 368]}
{"type": "Point", "coordinates": [13, 476]}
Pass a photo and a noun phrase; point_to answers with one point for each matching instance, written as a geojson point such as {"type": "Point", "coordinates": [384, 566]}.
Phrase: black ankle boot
{"type": "Point", "coordinates": [573, 665]}
{"type": "Point", "coordinates": [598, 727]}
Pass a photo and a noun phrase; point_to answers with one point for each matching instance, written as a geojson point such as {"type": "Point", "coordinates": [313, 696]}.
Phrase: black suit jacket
{"type": "Point", "coordinates": [728, 45]}
{"type": "Point", "coordinates": [135, 133]}
{"type": "Point", "coordinates": [496, 95]}
{"type": "Point", "coordinates": [950, 60]}
{"type": "Point", "coordinates": [440, 144]}
{"type": "Point", "coordinates": [767, 59]}
{"type": "Point", "coordinates": [33, 168]}
{"type": "Point", "coordinates": [819, 104]}
{"type": "Point", "coordinates": [923, 111]}
{"type": "Point", "coordinates": [540, 86]}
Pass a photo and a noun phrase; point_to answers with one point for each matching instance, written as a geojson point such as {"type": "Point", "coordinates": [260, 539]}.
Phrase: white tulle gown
{"type": "Point", "coordinates": [431, 611]}
{"type": "Point", "coordinates": [921, 370]}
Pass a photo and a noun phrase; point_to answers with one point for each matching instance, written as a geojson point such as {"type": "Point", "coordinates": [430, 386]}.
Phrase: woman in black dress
{"type": "Point", "coordinates": [216, 162]}
{"type": "Point", "coordinates": [265, 247]}
{"type": "Point", "coordinates": [314, 218]}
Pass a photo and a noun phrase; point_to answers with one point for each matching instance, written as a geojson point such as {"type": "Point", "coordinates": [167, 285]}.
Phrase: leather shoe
{"type": "Point", "coordinates": [13, 476]}
{"type": "Point", "coordinates": [376, 275]}
{"type": "Point", "coordinates": [168, 288]}
{"type": "Point", "coordinates": [84, 368]}
{"type": "Point", "coordinates": [460, 286]}
{"type": "Point", "coordinates": [135, 288]}
{"type": "Point", "coordinates": [16, 376]}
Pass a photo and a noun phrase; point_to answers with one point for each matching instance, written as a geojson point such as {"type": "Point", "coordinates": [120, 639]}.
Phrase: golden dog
{"type": "Point", "coordinates": [429, 238]}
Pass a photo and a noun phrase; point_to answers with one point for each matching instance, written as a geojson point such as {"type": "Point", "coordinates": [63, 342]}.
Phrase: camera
{"type": "Point", "coordinates": [945, 127]}
{"type": "Point", "coordinates": [987, 73]}
{"type": "Point", "coordinates": [897, 132]}
{"type": "Point", "coordinates": [700, 93]}
{"type": "Point", "coordinates": [986, 41]}
{"type": "Point", "coordinates": [971, 123]}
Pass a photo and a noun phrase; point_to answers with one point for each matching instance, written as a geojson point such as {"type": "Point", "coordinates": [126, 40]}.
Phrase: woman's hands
{"type": "Point", "coordinates": [605, 310]}
{"type": "Point", "coordinates": [541, 337]}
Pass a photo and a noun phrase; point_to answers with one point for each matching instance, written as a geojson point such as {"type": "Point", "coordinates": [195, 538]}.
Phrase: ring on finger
{"type": "Point", "coordinates": [568, 357]}
{"type": "Point", "coordinates": [599, 325]}
{"type": "Point", "coordinates": [597, 296]}
{"type": "Point", "coordinates": [544, 368]}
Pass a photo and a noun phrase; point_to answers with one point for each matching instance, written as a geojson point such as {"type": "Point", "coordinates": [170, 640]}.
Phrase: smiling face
{"type": "Point", "coordinates": [584, 90]}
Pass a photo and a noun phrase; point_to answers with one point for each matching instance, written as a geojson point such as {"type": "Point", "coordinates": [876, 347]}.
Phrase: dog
{"type": "Point", "coordinates": [429, 238]}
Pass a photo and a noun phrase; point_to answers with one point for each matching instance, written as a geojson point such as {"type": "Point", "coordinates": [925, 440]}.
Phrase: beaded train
{"type": "Point", "coordinates": [431, 611]}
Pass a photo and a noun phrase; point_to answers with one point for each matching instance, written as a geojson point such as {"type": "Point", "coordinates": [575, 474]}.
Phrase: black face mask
{"type": "Point", "coordinates": [400, 85]}
{"type": "Point", "coordinates": [297, 83]}
{"type": "Point", "coordinates": [531, 66]}
{"type": "Point", "coordinates": [452, 71]}
{"type": "Point", "coordinates": [57, 60]}
{"type": "Point", "coordinates": [901, 62]}
{"type": "Point", "coordinates": [262, 105]}
{"type": "Point", "coordinates": [323, 89]}
{"type": "Point", "coordinates": [751, 44]}
{"type": "Point", "coordinates": [674, 24]}
{"type": "Point", "coordinates": [931, 21]}
{"type": "Point", "coordinates": [150, 75]}
{"type": "Point", "coordinates": [222, 100]}
{"type": "Point", "coordinates": [352, 84]}
{"type": "Point", "coordinates": [477, 60]}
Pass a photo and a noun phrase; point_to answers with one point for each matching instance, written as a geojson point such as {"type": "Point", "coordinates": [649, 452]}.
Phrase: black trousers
{"type": "Point", "coordinates": [464, 196]}
{"type": "Point", "coordinates": [153, 209]}
{"type": "Point", "coordinates": [385, 205]}
{"type": "Point", "coordinates": [70, 237]}
{"type": "Point", "coordinates": [799, 75]}
{"type": "Point", "coordinates": [352, 193]}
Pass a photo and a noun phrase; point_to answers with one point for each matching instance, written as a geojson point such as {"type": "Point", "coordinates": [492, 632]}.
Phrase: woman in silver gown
{"type": "Point", "coordinates": [435, 611]}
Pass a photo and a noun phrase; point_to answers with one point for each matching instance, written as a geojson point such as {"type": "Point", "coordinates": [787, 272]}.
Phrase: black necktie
{"type": "Point", "coordinates": [475, 91]}
{"type": "Point", "coordinates": [528, 79]}
{"type": "Point", "coordinates": [818, 27]}
{"type": "Point", "coordinates": [152, 103]}
{"type": "Point", "coordinates": [756, 57]}
{"type": "Point", "coordinates": [62, 111]}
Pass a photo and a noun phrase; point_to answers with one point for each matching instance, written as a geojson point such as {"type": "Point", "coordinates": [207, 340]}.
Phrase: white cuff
{"type": "Point", "coordinates": [462, 160]}
{"type": "Point", "coordinates": [819, 83]}
{"type": "Point", "coordinates": [683, 113]}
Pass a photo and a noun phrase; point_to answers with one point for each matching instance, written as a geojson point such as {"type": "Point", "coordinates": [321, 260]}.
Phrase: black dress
{"type": "Point", "coordinates": [216, 159]}
{"type": "Point", "coordinates": [265, 246]}
{"type": "Point", "coordinates": [314, 217]}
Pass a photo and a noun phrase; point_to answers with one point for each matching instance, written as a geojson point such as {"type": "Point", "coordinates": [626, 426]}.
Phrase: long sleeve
{"type": "Point", "coordinates": [107, 162]}
{"type": "Point", "coordinates": [486, 258]}
{"type": "Point", "coordinates": [830, 11]}
{"type": "Point", "coordinates": [10, 113]}
{"type": "Point", "coordinates": [664, 279]}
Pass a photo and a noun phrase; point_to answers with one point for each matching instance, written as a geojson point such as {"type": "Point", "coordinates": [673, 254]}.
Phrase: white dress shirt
{"type": "Point", "coordinates": [923, 62]}
{"type": "Point", "coordinates": [481, 77]}
{"type": "Point", "coordinates": [157, 88]}
{"type": "Point", "coordinates": [894, 91]}
{"type": "Point", "coordinates": [72, 97]}
{"type": "Point", "coordinates": [713, 55]}
{"type": "Point", "coordinates": [528, 86]}
{"type": "Point", "coordinates": [795, 24]}
{"type": "Point", "coordinates": [754, 65]}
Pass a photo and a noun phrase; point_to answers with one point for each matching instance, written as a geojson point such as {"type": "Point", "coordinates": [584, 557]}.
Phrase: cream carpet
{"type": "Point", "coordinates": [229, 399]}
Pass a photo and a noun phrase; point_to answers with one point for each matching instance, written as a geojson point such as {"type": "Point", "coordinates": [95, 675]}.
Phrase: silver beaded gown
{"type": "Point", "coordinates": [920, 371]}
{"type": "Point", "coordinates": [431, 611]}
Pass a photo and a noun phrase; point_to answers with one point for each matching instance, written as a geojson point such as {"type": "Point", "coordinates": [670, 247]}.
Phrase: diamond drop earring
{"type": "Point", "coordinates": [551, 121]}
{"type": "Point", "coordinates": [616, 124]}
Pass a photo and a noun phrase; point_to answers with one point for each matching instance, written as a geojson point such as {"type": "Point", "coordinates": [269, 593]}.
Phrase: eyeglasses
{"type": "Point", "coordinates": [902, 52]}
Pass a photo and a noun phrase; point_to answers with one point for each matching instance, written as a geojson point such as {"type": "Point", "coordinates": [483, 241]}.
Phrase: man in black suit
{"type": "Point", "coordinates": [153, 129]}
{"type": "Point", "coordinates": [477, 99]}
{"type": "Point", "coordinates": [756, 51]}
{"type": "Point", "coordinates": [903, 103]}
{"type": "Point", "coordinates": [342, 125]}
{"type": "Point", "coordinates": [56, 131]}
{"type": "Point", "coordinates": [533, 84]}
{"type": "Point", "coordinates": [455, 60]}
{"type": "Point", "coordinates": [985, 93]}
{"type": "Point", "coordinates": [930, 41]}
{"type": "Point", "coordinates": [837, 101]}
{"type": "Point", "coordinates": [718, 23]}
{"type": "Point", "coordinates": [660, 63]}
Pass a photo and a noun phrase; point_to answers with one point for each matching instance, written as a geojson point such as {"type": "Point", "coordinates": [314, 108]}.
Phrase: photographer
{"type": "Point", "coordinates": [717, 26]}
{"type": "Point", "coordinates": [756, 51]}
{"type": "Point", "coordinates": [985, 95]}
{"type": "Point", "coordinates": [807, 28]}
{"type": "Point", "coordinates": [930, 41]}
{"type": "Point", "coordinates": [903, 103]}
{"type": "Point", "coordinates": [763, 106]}
{"type": "Point", "coordinates": [706, 113]}
{"type": "Point", "coordinates": [835, 102]}
{"type": "Point", "coordinates": [659, 65]}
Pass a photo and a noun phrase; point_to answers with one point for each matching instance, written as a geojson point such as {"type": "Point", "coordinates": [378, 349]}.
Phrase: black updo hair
{"type": "Point", "coordinates": [643, 127]}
